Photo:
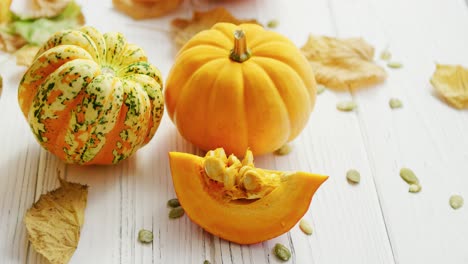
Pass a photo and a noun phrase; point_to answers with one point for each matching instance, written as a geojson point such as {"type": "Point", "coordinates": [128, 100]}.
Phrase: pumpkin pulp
{"type": "Point", "coordinates": [238, 214]}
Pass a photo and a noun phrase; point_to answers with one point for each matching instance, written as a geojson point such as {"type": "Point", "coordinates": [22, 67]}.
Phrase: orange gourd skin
{"type": "Point", "coordinates": [261, 103]}
{"type": "Point", "coordinates": [242, 222]}
{"type": "Point", "coordinates": [91, 98]}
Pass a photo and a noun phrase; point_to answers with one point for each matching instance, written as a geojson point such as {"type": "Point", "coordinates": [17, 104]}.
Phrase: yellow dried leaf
{"type": "Point", "coordinates": [42, 8]}
{"type": "Point", "coordinates": [451, 82]}
{"type": "Point", "coordinates": [9, 42]}
{"type": "Point", "coordinates": [142, 9]}
{"type": "Point", "coordinates": [343, 63]}
{"type": "Point", "coordinates": [26, 54]}
{"type": "Point", "coordinates": [54, 221]}
{"type": "Point", "coordinates": [185, 29]}
{"type": "Point", "coordinates": [5, 11]}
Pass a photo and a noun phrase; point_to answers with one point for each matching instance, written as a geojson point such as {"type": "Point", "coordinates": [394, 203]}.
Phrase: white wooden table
{"type": "Point", "coordinates": [377, 221]}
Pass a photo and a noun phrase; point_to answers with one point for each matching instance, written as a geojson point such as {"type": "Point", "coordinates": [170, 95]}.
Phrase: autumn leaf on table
{"type": "Point", "coordinates": [451, 82]}
{"type": "Point", "coordinates": [143, 9]}
{"type": "Point", "coordinates": [185, 29]}
{"type": "Point", "coordinates": [22, 30]}
{"type": "Point", "coordinates": [343, 63]}
{"type": "Point", "coordinates": [53, 223]}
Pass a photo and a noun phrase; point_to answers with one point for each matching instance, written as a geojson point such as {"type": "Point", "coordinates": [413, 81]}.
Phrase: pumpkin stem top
{"type": "Point", "coordinates": [240, 52]}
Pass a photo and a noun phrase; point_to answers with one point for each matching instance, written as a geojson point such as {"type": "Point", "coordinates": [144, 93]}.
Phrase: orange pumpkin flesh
{"type": "Point", "coordinates": [241, 221]}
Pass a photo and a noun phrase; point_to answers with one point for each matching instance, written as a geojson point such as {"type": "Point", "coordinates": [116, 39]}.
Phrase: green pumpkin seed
{"type": "Point", "coordinates": [145, 236]}
{"type": "Point", "coordinates": [272, 23]}
{"type": "Point", "coordinates": [305, 227]}
{"type": "Point", "coordinates": [385, 55]}
{"type": "Point", "coordinates": [176, 212]}
{"type": "Point", "coordinates": [395, 103]}
{"type": "Point", "coordinates": [206, 262]}
{"type": "Point", "coordinates": [353, 176]}
{"type": "Point", "coordinates": [456, 201]}
{"type": "Point", "coordinates": [394, 64]}
{"type": "Point", "coordinates": [282, 252]}
{"type": "Point", "coordinates": [346, 106]}
{"type": "Point", "coordinates": [320, 88]}
{"type": "Point", "coordinates": [408, 176]}
{"type": "Point", "coordinates": [173, 203]}
{"type": "Point", "coordinates": [414, 188]}
{"type": "Point", "coordinates": [284, 150]}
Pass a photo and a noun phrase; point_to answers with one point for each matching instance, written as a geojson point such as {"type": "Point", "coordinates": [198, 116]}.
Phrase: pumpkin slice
{"type": "Point", "coordinates": [241, 213]}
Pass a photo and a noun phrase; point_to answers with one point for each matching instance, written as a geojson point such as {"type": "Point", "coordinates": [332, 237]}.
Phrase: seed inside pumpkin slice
{"type": "Point", "coordinates": [234, 200]}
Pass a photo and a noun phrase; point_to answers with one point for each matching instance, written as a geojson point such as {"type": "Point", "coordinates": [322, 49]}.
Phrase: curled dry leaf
{"type": "Point", "coordinates": [5, 14]}
{"type": "Point", "coordinates": [53, 223]}
{"type": "Point", "coordinates": [26, 54]}
{"type": "Point", "coordinates": [343, 63]}
{"type": "Point", "coordinates": [42, 8]}
{"type": "Point", "coordinates": [142, 9]}
{"type": "Point", "coordinates": [451, 82]}
{"type": "Point", "coordinates": [185, 29]}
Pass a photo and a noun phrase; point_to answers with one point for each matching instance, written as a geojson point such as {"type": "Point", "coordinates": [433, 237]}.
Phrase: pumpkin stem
{"type": "Point", "coordinates": [240, 52]}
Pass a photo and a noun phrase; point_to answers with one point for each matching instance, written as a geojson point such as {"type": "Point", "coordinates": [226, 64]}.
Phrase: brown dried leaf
{"type": "Point", "coordinates": [54, 221]}
{"type": "Point", "coordinates": [185, 29]}
{"type": "Point", "coordinates": [343, 63]}
{"type": "Point", "coordinates": [451, 82]}
{"type": "Point", "coordinates": [10, 43]}
{"type": "Point", "coordinates": [25, 55]}
{"type": "Point", "coordinates": [142, 9]}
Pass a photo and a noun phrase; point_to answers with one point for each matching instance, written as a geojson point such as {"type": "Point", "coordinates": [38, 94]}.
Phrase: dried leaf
{"type": "Point", "coordinates": [26, 54]}
{"type": "Point", "coordinates": [54, 221]}
{"type": "Point", "coordinates": [142, 9]}
{"type": "Point", "coordinates": [185, 29]}
{"type": "Point", "coordinates": [42, 8]}
{"type": "Point", "coordinates": [10, 42]}
{"type": "Point", "coordinates": [5, 14]}
{"type": "Point", "coordinates": [343, 63]}
{"type": "Point", "coordinates": [451, 82]}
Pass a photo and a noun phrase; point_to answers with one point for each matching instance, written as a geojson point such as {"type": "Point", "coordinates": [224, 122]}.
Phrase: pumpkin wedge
{"type": "Point", "coordinates": [252, 206]}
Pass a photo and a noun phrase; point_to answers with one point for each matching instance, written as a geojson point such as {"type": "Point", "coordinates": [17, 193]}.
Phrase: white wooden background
{"type": "Point", "coordinates": [377, 221]}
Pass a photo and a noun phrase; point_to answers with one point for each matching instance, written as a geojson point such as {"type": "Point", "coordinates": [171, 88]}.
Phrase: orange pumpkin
{"type": "Point", "coordinates": [91, 98]}
{"type": "Point", "coordinates": [240, 87]}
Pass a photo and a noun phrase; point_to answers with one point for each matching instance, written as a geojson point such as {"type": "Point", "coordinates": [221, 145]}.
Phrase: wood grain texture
{"type": "Point", "coordinates": [377, 221]}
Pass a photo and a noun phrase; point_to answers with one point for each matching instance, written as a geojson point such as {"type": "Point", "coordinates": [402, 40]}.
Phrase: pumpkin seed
{"type": "Point", "coordinates": [408, 176]}
{"type": "Point", "coordinates": [353, 176]}
{"type": "Point", "coordinates": [206, 262]}
{"type": "Point", "coordinates": [176, 212]}
{"type": "Point", "coordinates": [394, 64]}
{"type": "Point", "coordinates": [395, 103]}
{"type": "Point", "coordinates": [305, 227]}
{"type": "Point", "coordinates": [346, 106]}
{"type": "Point", "coordinates": [320, 88]}
{"type": "Point", "coordinates": [145, 236]}
{"type": "Point", "coordinates": [284, 150]}
{"type": "Point", "coordinates": [385, 55]}
{"type": "Point", "coordinates": [456, 201]}
{"type": "Point", "coordinates": [173, 203]}
{"type": "Point", "coordinates": [414, 188]}
{"type": "Point", "coordinates": [272, 23]}
{"type": "Point", "coordinates": [282, 252]}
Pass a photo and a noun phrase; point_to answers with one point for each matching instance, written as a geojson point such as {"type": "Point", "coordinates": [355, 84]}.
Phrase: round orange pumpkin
{"type": "Point", "coordinates": [91, 98]}
{"type": "Point", "coordinates": [240, 87]}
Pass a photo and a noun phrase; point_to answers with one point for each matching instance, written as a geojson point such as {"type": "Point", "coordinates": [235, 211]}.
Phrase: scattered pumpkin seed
{"type": "Point", "coordinates": [414, 188]}
{"type": "Point", "coordinates": [320, 88]}
{"type": "Point", "coordinates": [385, 55]}
{"type": "Point", "coordinates": [456, 201]}
{"type": "Point", "coordinates": [173, 203]}
{"type": "Point", "coordinates": [305, 227]}
{"type": "Point", "coordinates": [346, 106]}
{"type": "Point", "coordinates": [353, 176]}
{"type": "Point", "coordinates": [284, 150]}
{"type": "Point", "coordinates": [145, 236]}
{"type": "Point", "coordinates": [206, 262]}
{"type": "Point", "coordinates": [176, 212]}
{"type": "Point", "coordinates": [282, 252]}
{"type": "Point", "coordinates": [394, 64]}
{"type": "Point", "coordinates": [408, 176]}
{"type": "Point", "coordinates": [395, 103]}
{"type": "Point", "coordinates": [272, 23]}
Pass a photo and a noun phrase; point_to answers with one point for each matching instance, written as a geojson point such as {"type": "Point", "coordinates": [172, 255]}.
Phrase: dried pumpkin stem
{"type": "Point", "coordinates": [240, 52]}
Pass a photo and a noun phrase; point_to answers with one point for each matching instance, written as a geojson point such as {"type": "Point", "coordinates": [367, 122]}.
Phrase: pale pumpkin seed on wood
{"type": "Point", "coordinates": [353, 176]}
{"type": "Point", "coordinates": [145, 236]}
{"type": "Point", "coordinates": [408, 176]}
{"type": "Point", "coordinates": [346, 106]}
{"type": "Point", "coordinates": [456, 201]}
{"type": "Point", "coordinates": [273, 23]}
{"type": "Point", "coordinates": [394, 64]}
{"type": "Point", "coordinates": [173, 203]}
{"type": "Point", "coordinates": [282, 252]}
{"type": "Point", "coordinates": [305, 227]}
{"type": "Point", "coordinates": [284, 150]}
{"type": "Point", "coordinates": [385, 55]}
{"type": "Point", "coordinates": [395, 103]}
{"type": "Point", "coordinates": [320, 88]}
{"type": "Point", "coordinates": [414, 188]}
{"type": "Point", "coordinates": [176, 212]}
